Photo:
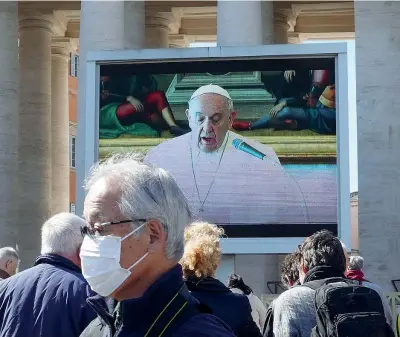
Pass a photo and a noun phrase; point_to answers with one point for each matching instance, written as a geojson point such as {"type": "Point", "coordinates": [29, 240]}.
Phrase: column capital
{"type": "Point", "coordinates": [282, 19]}
{"type": "Point", "coordinates": [179, 40]}
{"type": "Point", "coordinates": [62, 46]}
{"type": "Point", "coordinates": [34, 19]}
{"type": "Point", "coordinates": [60, 23]}
{"type": "Point", "coordinates": [159, 20]}
{"type": "Point", "coordinates": [56, 21]}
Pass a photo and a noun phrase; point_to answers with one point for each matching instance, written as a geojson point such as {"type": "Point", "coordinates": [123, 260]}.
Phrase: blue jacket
{"type": "Point", "coordinates": [47, 300]}
{"type": "Point", "coordinates": [233, 309]}
{"type": "Point", "coordinates": [166, 309]}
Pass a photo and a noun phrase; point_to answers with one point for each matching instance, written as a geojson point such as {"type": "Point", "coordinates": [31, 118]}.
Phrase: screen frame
{"type": "Point", "coordinates": [89, 153]}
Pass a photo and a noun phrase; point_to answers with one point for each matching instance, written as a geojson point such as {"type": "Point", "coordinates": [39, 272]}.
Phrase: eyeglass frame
{"type": "Point", "coordinates": [87, 230]}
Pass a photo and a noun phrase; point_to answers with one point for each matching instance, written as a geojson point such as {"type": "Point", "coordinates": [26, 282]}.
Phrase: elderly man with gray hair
{"type": "Point", "coordinates": [49, 299]}
{"type": "Point", "coordinates": [354, 269]}
{"type": "Point", "coordinates": [136, 218]}
{"type": "Point", "coordinates": [8, 262]}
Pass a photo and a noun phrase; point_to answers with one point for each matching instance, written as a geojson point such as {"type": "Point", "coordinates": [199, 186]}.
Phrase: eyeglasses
{"type": "Point", "coordinates": [99, 228]}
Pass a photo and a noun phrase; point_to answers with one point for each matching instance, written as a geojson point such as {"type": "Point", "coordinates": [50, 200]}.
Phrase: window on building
{"type": "Point", "coordinates": [72, 208]}
{"type": "Point", "coordinates": [72, 153]}
{"type": "Point", "coordinates": [73, 64]}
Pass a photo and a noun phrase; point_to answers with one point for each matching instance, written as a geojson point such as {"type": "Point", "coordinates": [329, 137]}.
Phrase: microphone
{"type": "Point", "coordinates": [241, 145]}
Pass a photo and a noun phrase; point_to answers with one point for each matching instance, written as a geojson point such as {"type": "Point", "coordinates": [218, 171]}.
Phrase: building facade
{"type": "Point", "coordinates": [40, 100]}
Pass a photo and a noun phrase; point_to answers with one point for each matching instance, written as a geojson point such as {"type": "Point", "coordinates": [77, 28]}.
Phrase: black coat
{"type": "Point", "coordinates": [166, 308]}
{"type": "Point", "coordinates": [47, 300]}
{"type": "Point", "coordinates": [233, 309]}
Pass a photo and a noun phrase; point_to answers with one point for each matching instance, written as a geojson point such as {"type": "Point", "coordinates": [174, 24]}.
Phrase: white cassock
{"type": "Point", "coordinates": [230, 186]}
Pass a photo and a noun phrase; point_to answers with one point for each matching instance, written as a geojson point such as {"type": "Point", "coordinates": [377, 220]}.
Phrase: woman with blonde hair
{"type": "Point", "coordinates": [200, 261]}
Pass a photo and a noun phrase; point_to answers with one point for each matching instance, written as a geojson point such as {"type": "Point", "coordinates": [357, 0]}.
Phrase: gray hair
{"type": "Point", "coordinates": [147, 192]}
{"type": "Point", "coordinates": [8, 253]}
{"type": "Point", "coordinates": [62, 234]}
{"type": "Point", "coordinates": [356, 263]}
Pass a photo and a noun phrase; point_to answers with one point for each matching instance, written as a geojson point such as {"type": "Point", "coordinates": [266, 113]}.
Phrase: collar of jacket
{"type": "Point", "coordinates": [57, 260]}
{"type": "Point", "coordinates": [322, 272]}
{"type": "Point", "coordinates": [206, 284]}
{"type": "Point", "coordinates": [355, 275]}
{"type": "Point", "coordinates": [142, 312]}
{"type": "Point", "coordinates": [3, 274]}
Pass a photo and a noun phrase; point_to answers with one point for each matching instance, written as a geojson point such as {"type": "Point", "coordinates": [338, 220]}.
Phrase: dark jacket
{"type": "Point", "coordinates": [3, 275]}
{"type": "Point", "coordinates": [47, 300]}
{"type": "Point", "coordinates": [233, 309]}
{"type": "Point", "coordinates": [166, 305]}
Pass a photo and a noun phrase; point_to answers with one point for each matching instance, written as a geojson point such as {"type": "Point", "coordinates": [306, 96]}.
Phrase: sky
{"type": "Point", "coordinates": [352, 106]}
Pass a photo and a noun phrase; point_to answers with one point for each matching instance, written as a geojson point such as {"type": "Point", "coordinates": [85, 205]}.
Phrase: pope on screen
{"type": "Point", "coordinates": [224, 184]}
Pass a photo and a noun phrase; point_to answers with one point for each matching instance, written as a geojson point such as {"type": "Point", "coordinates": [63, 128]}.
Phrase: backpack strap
{"type": "Point", "coordinates": [269, 323]}
{"type": "Point", "coordinates": [314, 285]}
{"type": "Point", "coordinates": [177, 312]}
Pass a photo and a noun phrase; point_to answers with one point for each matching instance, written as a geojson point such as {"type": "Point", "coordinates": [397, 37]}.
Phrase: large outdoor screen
{"type": "Point", "coordinates": [251, 143]}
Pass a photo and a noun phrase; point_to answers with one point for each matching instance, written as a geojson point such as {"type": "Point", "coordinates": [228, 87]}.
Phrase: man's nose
{"type": "Point", "coordinates": [207, 125]}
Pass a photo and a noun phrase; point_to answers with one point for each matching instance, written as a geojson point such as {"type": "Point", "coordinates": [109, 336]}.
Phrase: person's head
{"type": "Point", "coordinates": [145, 214]}
{"type": "Point", "coordinates": [202, 254]}
{"type": "Point", "coordinates": [236, 281]}
{"type": "Point", "coordinates": [290, 269]}
{"type": "Point", "coordinates": [9, 260]}
{"type": "Point", "coordinates": [62, 235]}
{"type": "Point", "coordinates": [356, 263]}
{"type": "Point", "coordinates": [210, 116]}
{"type": "Point", "coordinates": [321, 249]}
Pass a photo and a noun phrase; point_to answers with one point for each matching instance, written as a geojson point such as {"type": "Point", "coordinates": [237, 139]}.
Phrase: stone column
{"type": "Point", "coordinates": [157, 30]}
{"type": "Point", "coordinates": [34, 132]}
{"type": "Point", "coordinates": [281, 28]}
{"type": "Point", "coordinates": [8, 122]}
{"type": "Point", "coordinates": [378, 86]}
{"type": "Point", "coordinates": [354, 225]}
{"type": "Point", "coordinates": [60, 125]}
{"type": "Point", "coordinates": [244, 23]}
{"type": "Point", "coordinates": [125, 29]}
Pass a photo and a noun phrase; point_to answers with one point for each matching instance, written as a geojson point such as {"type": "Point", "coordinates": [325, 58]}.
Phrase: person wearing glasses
{"type": "Point", "coordinates": [223, 183]}
{"type": "Point", "coordinates": [49, 299]}
{"type": "Point", "coordinates": [8, 262]}
{"type": "Point", "coordinates": [136, 217]}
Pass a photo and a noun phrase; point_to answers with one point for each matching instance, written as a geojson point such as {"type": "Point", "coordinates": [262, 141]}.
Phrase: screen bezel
{"type": "Point", "coordinates": [252, 245]}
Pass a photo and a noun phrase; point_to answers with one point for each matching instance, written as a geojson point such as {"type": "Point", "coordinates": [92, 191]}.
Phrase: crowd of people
{"type": "Point", "coordinates": [137, 265]}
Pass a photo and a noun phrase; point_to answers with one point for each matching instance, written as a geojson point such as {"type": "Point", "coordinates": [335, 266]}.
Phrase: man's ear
{"type": "Point", "coordinates": [8, 263]}
{"type": "Point", "coordinates": [232, 118]}
{"type": "Point", "coordinates": [157, 235]}
{"type": "Point", "coordinates": [187, 115]}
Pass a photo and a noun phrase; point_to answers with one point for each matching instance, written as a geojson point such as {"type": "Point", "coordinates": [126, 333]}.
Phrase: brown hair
{"type": "Point", "coordinates": [202, 253]}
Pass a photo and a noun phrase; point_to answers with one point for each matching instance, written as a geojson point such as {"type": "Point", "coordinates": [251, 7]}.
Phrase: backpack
{"type": "Point", "coordinates": [348, 309]}
{"type": "Point", "coordinates": [268, 330]}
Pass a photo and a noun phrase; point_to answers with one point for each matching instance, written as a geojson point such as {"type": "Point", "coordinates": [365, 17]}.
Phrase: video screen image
{"type": "Point", "coordinates": [253, 151]}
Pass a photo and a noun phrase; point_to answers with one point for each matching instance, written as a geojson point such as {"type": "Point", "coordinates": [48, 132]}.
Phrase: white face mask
{"type": "Point", "coordinates": [100, 259]}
